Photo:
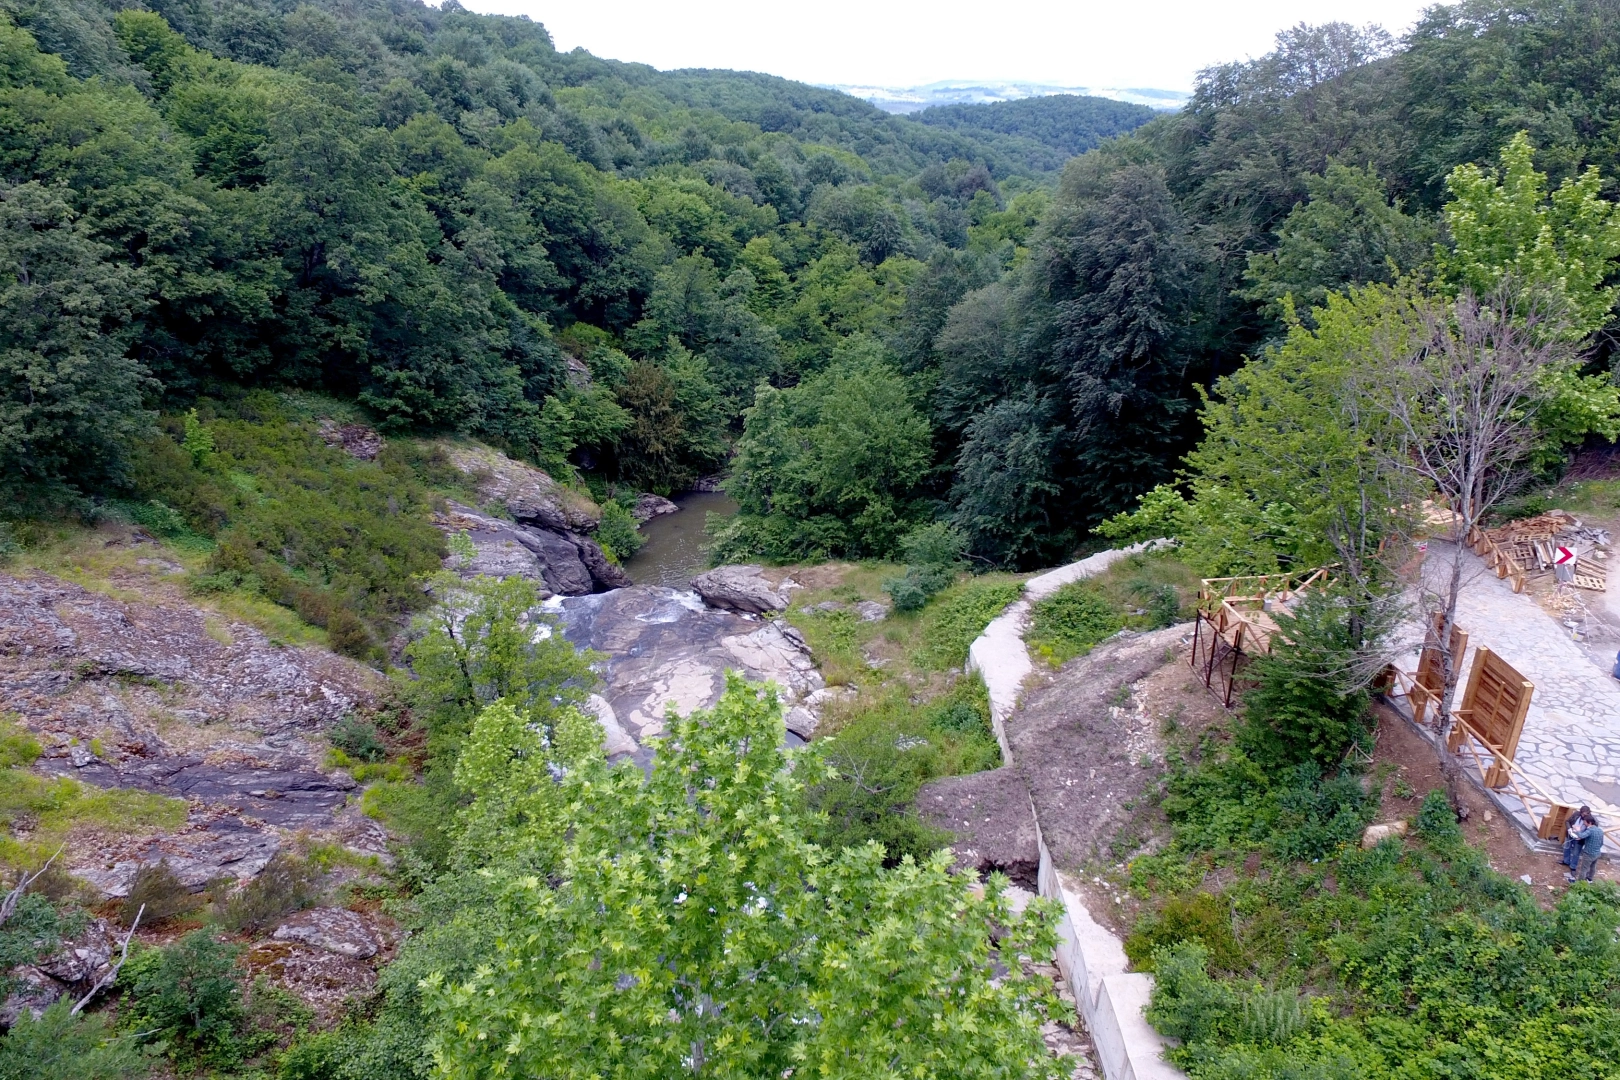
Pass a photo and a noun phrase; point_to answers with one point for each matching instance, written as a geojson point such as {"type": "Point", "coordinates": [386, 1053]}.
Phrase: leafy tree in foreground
{"type": "Point", "coordinates": [688, 928]}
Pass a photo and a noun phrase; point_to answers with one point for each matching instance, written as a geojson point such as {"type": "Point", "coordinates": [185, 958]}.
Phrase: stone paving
{"type": "Point", "coordinates": [1571, 740]}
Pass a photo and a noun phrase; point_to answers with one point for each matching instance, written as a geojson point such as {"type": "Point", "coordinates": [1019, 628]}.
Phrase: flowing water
{"type": "Point", "coordinates": [676, 546]}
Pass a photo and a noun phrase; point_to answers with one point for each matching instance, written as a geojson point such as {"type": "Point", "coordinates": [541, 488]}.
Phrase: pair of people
{"type": "Point", "coordinates": [1582, 846]}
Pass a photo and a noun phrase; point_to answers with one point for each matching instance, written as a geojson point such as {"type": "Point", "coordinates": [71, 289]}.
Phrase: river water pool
{"type": "Point", "coordinates": [676, 546]}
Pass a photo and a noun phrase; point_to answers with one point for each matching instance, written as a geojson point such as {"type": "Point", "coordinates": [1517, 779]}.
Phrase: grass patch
{"type": "Point", "coordinates": [1140, 592]}
{"type": "Point", "coordinates": [957, 616]}
{"type": "Point", "coordinates": [39, 813]}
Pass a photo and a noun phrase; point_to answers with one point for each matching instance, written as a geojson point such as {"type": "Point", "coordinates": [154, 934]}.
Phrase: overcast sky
{"type": "Point", "coordinates": [1099, 43]}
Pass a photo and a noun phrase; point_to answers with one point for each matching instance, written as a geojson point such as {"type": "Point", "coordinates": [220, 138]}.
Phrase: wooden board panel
{"type": "Point", "coordinates": [1495, 704]}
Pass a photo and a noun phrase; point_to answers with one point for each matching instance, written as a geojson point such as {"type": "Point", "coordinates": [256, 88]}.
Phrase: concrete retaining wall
{"type": "Point", "coordinates": [1091, 958]}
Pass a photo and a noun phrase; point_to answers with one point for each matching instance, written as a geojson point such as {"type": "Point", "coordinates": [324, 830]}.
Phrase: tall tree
{"type": "Point", "coordinates": [70, 393]}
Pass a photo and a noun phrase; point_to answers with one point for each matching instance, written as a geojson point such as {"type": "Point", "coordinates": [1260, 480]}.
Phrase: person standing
{"type": "Point", "coordinates": [1591, 847]}
{"type": "Point", "coordinates": [1575, 832]}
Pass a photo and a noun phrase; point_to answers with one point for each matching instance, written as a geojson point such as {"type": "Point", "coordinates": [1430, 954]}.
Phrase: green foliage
{"type": "Point", "coordinates": [1421, 960]}
{"type": "Point", "coordinates": [60, 1046]}
{"type": "Point", "coordinates": [1560, 250]}
{"type": "Point", "coordinates": [338, 540]}
{"type": "Point", "coordinates": [1196, 917]}
{"type": "Point", "coordinates": [482, 643]}
{"type": "Point", "coordinates": [883, 753]}
{"type": "Point", "coordinates": [1072, 620]}
{"type": "Point", "coordinates": [70, 393]}
{"type": "Point", "coordinates": [958, 616]}
{"type": "Point", "coordinates": [33, 931]}
{"type": "Point", "coordinates": [830, 467]}
{"type": "Point", "coordinates": [1064, 122]}
{"type": "Point", "coordinates": [186, 995]}
{"type": "Point", "coordinates": [934, 555]}
{"type": "Point", "coordinates": [287, 883]}
{"type": "Point", "coordinates": [1348, 233]}
{"type": "Point", "coordinates": [618, 532]}
{"type": "Point", "coordinates": [718, 890]}
{"type": "Point", "coordinates": [357, 736]}
{"type": "Point", "coordinates": [1310, 701]}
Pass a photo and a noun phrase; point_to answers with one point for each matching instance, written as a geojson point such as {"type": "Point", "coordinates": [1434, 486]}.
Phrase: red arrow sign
{"type": "Point", "coordinates": [1564, 555]}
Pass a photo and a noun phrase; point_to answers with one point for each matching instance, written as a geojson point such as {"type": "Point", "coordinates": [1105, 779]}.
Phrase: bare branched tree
{"type": "Point", "coordinates": [1463, 401]}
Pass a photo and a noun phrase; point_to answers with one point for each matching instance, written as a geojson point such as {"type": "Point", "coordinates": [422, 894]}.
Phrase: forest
{"type": "Point", "coordinates": [965, 344]}
{"type": "Point", "coordinates": [642, 278]}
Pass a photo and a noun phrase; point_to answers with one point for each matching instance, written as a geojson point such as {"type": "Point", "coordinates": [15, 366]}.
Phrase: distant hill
{"type": "Point", "coordinates": [1062, 122]}
{"type": "Point", "coordinates": [913, 99]}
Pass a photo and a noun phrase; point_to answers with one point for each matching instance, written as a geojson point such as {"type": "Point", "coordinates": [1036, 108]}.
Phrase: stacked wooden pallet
{"type": "Point", "coordinates": [1533, 543]}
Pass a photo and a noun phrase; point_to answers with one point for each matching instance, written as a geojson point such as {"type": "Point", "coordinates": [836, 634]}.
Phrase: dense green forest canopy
{"type": "Point", "coordinates": [602, 267]}
{"type": "Point", "coordinates": [1062, 125]}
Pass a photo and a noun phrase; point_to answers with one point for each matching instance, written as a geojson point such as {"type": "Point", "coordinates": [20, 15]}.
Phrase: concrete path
{"type": "Point", "coordinates": [1110, 998]}
{"type": "Point", "coordinates": [1571, 740]}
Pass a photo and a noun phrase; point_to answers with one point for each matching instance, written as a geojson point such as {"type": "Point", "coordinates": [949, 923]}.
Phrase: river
{"type": "Point", "coordinates": [676, 546]}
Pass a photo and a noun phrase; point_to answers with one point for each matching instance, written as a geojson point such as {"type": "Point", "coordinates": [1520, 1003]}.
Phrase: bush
{"type": "Point", "coordinates": [286, 884]}
{"type": "Point", "coordinates": [160, 893]}
{"type": "Point", "coordinates": [958, 617]}
{"type": "Point", "coordinates": [1073, 620]}
{"type": "Point", "coordinates": [1308, 703]}
{"type": "Point", "coordinates": [933, 555]}
{"type": "Point", "coordinates": [59, 1046]}
{"type": "Point", "coordinates": [187, 995]}
{"type": "Point", "coordinates": [357, 737]}
{"type": "Point", "coordinates": [1200, 917]}
{"type": "Point", "coordinates": [617, 532]}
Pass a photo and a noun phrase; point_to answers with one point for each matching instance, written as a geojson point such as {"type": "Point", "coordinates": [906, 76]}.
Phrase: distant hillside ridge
{"type": "Point", "coordinates": [1065, 122]}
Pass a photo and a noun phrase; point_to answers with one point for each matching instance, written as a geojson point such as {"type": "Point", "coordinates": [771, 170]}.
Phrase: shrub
{"type": "Point", "coordinates": [286, 884]}
{"type": "Point", "coordinates": [1073, 620]}
{"type": "Point", "coordinates": [1200, 917]}
{"type": "Point", "coordinates": [933, 555]}
{"type": "Point", "coordinates": [161, 893]}
{"type": "Point", "coordinates": [357, 737]}
{"type": "Point", "coordinates": [60, 1046]}
{"type": "Point", "coordinates": [617, 532]}
{"type": "Point", "coordinates": [1308, 703]}
{"type": "Point", "coordinates": [959, 616]}
{"type": "Point", "coordinates": [187, 995]}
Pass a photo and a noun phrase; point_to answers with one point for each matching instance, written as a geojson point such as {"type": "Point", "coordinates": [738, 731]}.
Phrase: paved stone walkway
{"type": "Point", "coordinates": [1571, 739]}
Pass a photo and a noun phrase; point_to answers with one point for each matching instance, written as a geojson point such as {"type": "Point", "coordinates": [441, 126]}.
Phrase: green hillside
{"type": "Point", "coordinates": [1063, 124]}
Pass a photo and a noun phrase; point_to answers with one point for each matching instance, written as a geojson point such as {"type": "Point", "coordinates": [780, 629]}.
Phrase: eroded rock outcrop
{"type": "Point", "coordinates": [739, 588]}
{"type": "Point", "coordinates": [561, 563]}
{"type": "Point", "coordinates": [161, 696]}
{"type": "Point", "coordinates": [649, 506]}
{"type": "Point", "coordinates": [665, 648]}
{"type": "Point", "coordinates": [529, 494]}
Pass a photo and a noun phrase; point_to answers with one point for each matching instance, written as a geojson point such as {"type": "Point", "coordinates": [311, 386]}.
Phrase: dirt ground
{"type": "Point", "coordinates": [1405, 761]}
{"type": "Point", "coordinates": [1089, 741]}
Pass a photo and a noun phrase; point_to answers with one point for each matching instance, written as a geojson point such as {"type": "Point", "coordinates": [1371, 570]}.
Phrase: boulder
{"type": "Point", "coordinates": [1377, 834]}
{"type": "Point", "coordinates": [649, 506]}
{"type": "Point", "coordinates": [337, 930]}
{"type": "Point", "coordinates": [739, 588]}
{"type": "Point", "coordinates": [32, 991]}
{"type": "Point", "coordinates": [529, 494]}
{"type": "Point", "coordinates": [562, 563]}
{"type": "Point", "coordinates": [871, 611]}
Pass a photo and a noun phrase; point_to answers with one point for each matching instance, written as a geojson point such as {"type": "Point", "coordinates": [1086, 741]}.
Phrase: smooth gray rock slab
{"type": "Point", "coordinates": [337, 930]}
{"type": "Point", "coordinates": [649, 506]}
{"type": "Point", "coordinates": [739, 588]}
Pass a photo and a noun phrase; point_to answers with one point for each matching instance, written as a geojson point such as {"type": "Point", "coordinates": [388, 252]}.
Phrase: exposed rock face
{"type": "Point", "coordinates": [163, 697]}
{"type": "Point", "coordinates": [336, 930]}
{"type": "Point", "coordinates": [72, 969]}
{"type": "Point", "coordinates": [64, 650]}
{"type": "Point", "coordinates": [739, 588]}
{"type": "Point", "coordinates": [356, 440]}
{"type": "Point", "coordinates": [531, 496]}
{"type": "Point", "coordinates": [562, 563]}
{"type": "Point", "coordinates": [665, 648]}
{"type": "Point", "coordinates": [649, 506]}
